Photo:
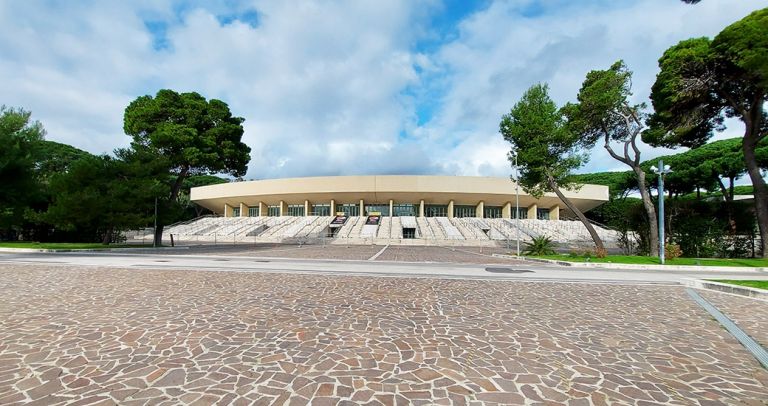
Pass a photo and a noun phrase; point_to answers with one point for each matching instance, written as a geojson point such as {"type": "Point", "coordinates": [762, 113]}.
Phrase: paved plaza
{"type": "Point", "coordinates": [465, 255]}
{"type": "Point", "coordinates": [90, 335]}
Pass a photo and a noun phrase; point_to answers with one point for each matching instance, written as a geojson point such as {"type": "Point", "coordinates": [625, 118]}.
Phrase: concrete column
{"type": "Point", "coordinates": [243, 210]}
{"type": "Point", "coordinates": [506, 211]}
{"type": "Point", "coordinates": [362, 208]}
{"type": "Point", "coordinates": [391, 207]}
{"type": "Point", "coordinates": [306, 208]}
{"type": "Point", "coordinates": [532, 211]}
{"type": "Point", "coordinates": [262, 209]}
{"type": "Point", "coordinates": [421, 208]}
{"type": "Point", "coordinates": [479, 210]}
{"type": "Point", "coordinates": [283, 208]}
{"type": "Point", "coordinates": [333, 207]}
{"type": "Point", "coordinates": [227, 210]}
{"type": "Point", "coordinates": [554, 212]}
{"type": "Point", "coordinates": [450, 209]}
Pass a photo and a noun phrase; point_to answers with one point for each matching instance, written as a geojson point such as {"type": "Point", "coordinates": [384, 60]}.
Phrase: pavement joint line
{"type": "Point", "coordinates": [376, 255]}
{"type": "Point", "coordinates": [748, 342]}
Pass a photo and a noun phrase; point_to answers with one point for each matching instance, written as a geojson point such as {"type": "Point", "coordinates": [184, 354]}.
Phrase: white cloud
{"type": "Point", "coordinates": [333, 87]}
{"type": "Point", "coordinates": [500, 53]}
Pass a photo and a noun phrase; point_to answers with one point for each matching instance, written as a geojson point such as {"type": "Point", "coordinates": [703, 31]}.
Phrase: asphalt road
{"type": "Point", "coordinates": [532, 271]}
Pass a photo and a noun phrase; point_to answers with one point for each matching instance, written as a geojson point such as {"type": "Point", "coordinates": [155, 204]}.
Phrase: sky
{"type": "Point", "coordinates": [338, 87]}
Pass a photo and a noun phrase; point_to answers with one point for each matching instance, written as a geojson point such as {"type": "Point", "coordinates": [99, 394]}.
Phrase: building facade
{"type": "Point", "coordinates": [391, 195]}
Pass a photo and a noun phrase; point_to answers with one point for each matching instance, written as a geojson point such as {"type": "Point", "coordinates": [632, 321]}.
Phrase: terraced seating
{"type": "Point", "coordinates": [429, 229]}
{"type": "Point", "coordinates": [368, 230]}
{"type": "Point", "coordinates": [424, 230]}
{"type": "Point", "coordinates": [385, 224]}
{"type": "Point", "coordinates": [316, 227]}
{"type": "Point", "coordinates": [469, 229]}
{"type": "Point", "coordinates": [451, 232]}
{"type": "Point", "coordinates": [561, 231]}
{"type": "Point", "coordinates": [397, 228]}
{"type": "Point", "coordinates": [281, 224]}
{"type": "Point", "coordinates": [437, 231]}
{"type": "Point", "coordinates": [347, 228]}
{"type": "Point", "coordinates": [297, 226]}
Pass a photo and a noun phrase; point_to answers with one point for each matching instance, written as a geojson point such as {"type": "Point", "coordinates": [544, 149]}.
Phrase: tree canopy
{"type": "Point", "coordinates": [544, 146]}
{"type": "Point", "coordinates": [604, 114]}
{"type": "Point", "coordinates": [704, 81]}
{"type": "Point", "coordinates": [191, 135]}
{"type": "Point", "coordinates": [547, 151]}
{"type": "Point", "coordinates": [21, 139]}
{"type": "Point", "coordinates": [99, 196]}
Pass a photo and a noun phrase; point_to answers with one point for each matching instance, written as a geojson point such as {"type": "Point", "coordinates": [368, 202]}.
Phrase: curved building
{"type": "Point", "coordinates": [390, 195]}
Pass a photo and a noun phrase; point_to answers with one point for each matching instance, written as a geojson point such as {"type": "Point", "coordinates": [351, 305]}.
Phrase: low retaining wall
{"type": "Point", "coordinates": [754, 293]}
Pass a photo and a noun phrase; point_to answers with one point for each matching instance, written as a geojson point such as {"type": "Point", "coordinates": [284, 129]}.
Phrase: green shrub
{"type": "Point", "coordinates": [540, 246]}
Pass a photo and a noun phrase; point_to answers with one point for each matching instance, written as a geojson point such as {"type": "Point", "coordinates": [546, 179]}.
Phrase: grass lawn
{"type": "Point", "coordinates": [66, 245]}
{"type": "Point", "coordinates": [633, 259]}
{"type": "Point", "coordinates": [751, 284]}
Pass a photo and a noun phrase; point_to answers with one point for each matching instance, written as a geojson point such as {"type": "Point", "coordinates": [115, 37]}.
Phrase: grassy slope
{"type": "Point", "coordinates": [751, 284]}
{"type": "Point", "coordinates": [65, 245]}
{"type": "Point", "coordinates": [629, 259]}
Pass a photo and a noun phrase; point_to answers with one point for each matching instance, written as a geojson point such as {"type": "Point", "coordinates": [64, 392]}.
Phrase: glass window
{"type": "Point", "coordinates": [435, 210]}
{"type": "Point", "coordinates": [404, 209]}
{"type": "Point", "coordinates": [492, 212]}
{"type": "Point", "coordinates": [409, 233]}
{"type": "Point", "coordinates": [350, 209]}
{"type": "Point", "coordinates": [321, 210]}
{"type": "Point", "coordinates": [382, 209]}
{"type": "Point", "coordinates": [522, 213]}
{"type": "Point", "coordinates": [464, 211]}
{"type": "Point", "coordinates": [253, 211]}
{"type": "Point", "coordinates": [295, 209]}
{"type": "Point", "coordinates": [542, 214]}
{"type": "Point", "coordinates": [235, 212]}
{"type": "Point", "coordinates": [273, 211]}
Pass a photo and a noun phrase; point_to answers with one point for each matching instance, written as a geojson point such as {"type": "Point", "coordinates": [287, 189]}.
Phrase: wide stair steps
{"type": "Point", "coordinates": [347, 228]}
{"type": "Point", "coordinates": [385, 225]}
{"type": "Point", "coordinates": [424, 230]}
{"type": "Point", "coordinates": [451, 232]}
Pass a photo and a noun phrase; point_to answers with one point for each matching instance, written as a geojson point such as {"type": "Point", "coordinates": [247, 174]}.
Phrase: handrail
{"type": "Point", "coordinates": [597, 223]}
{"type": "Point", "coordinates": [185, 222]}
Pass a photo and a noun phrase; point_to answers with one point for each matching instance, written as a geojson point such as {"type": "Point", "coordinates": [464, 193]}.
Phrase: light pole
{"type": "Point", "coordinates": [517, 203]}
{"type": "Point", "coordinates": [661, 171]}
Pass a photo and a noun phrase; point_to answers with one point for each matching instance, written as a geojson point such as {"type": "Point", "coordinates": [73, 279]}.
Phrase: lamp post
{"type": "Point", "coordinates": [661, 171]}
{"type": "Point", "coordinates": [517, 204]}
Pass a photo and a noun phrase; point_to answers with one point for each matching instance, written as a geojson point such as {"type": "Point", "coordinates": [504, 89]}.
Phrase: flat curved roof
{"type": "Point", "coordinates": [462, 190]}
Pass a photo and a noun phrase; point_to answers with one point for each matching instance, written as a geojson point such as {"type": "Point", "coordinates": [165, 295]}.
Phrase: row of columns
{"type": "Point", "coordinates": [506, 210]}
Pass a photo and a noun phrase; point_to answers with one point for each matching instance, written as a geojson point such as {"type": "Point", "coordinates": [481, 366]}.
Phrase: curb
{"type": "Point", "coordinates": [754, 293]}
{"type": "Point", "coordinates": [11, 250]}
{"type": "Point", "coordinates": [648, 267]}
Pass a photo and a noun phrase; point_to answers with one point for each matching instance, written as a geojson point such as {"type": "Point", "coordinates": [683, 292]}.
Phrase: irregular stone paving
{"type": "Point", "coordinates": [471, 255]}
{"type": "Point", "coordinates": [351, 252]}
{"type": "Point", "coordinates": [750, 314]}
{"type": "Point", "coordinates": [135, 337]}
{"type": "Point", "coordinates": [445, 254]}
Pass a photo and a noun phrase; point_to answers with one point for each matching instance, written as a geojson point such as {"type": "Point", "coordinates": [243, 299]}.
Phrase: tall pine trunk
{"type": "Point", "coordinates": [599, 247]}
{"type": "Point", "coordinates": [760, 189]}
{"type": "Point", "coordinates": [650, 211]}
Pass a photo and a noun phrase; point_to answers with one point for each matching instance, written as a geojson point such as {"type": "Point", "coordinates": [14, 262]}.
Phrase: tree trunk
{"type": "Point", "coordinates": [159, 235]}
{"type": "Point", "coordinates": [728, 198]}
{"type": "Point", "coordinates": [650, 211]}
{"type": "Point", "coordinates": [760, 189]}
{"type": "Point", "coordinates": [160, 207]}
{"type": "Point", "coordinates": [107, 238]}
{"type": "Point", "coordinates": [599, 248]}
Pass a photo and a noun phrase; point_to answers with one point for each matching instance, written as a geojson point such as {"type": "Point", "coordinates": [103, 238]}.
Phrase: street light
{"type": "Point", "coordinates": [661, 171]}
{"type": "Point", "coordinates": [517, 203]}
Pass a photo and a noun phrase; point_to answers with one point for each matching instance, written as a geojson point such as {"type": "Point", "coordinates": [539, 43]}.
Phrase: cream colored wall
{"type": "Point", "coordinates": [465, 190]}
